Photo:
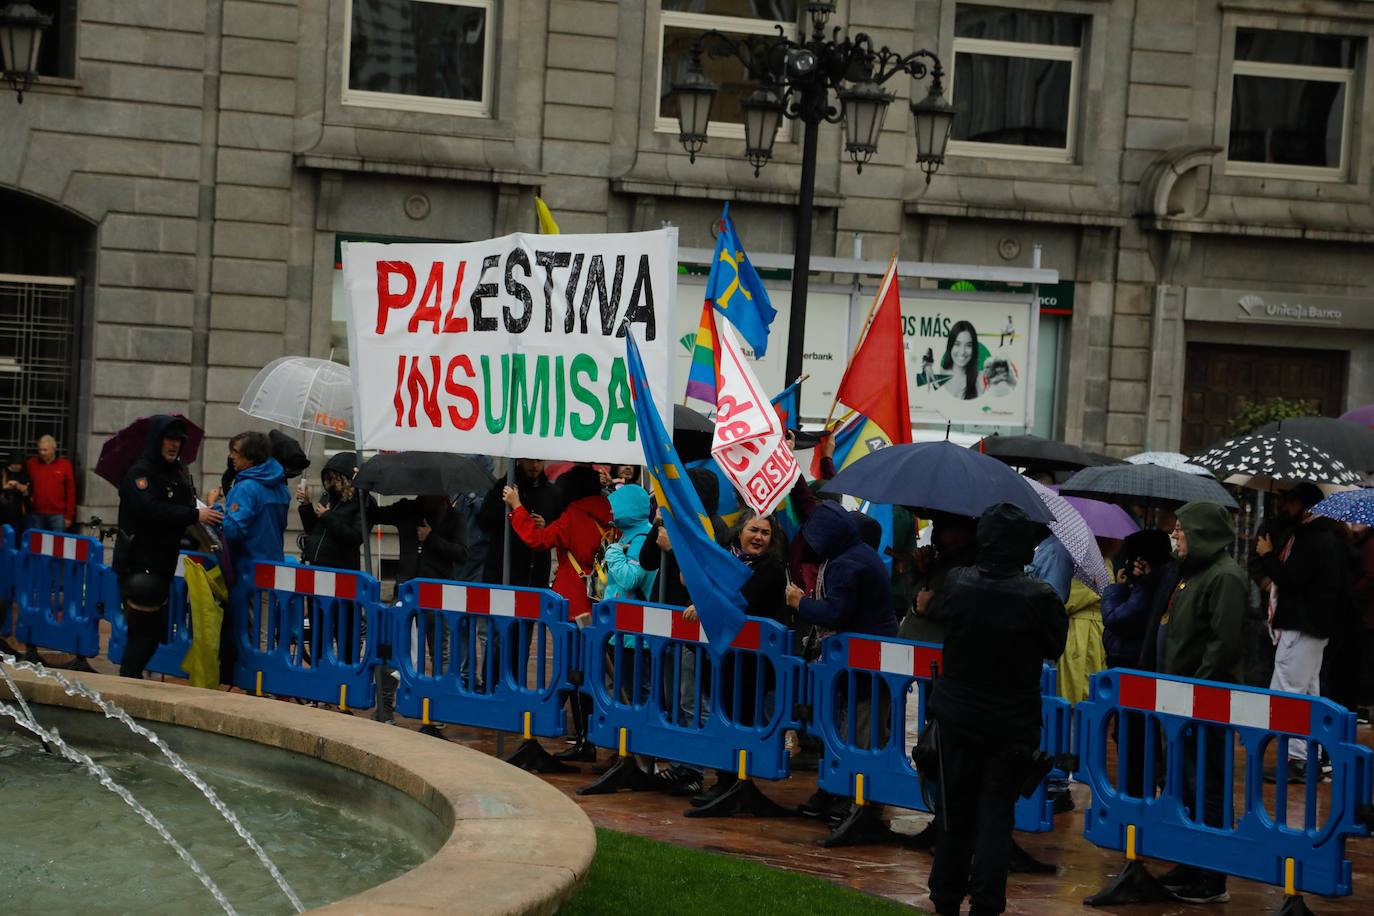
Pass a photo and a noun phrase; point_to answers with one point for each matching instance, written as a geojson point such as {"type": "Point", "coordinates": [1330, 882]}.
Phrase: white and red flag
{"type": "Point", "coordinates": [749, 444]}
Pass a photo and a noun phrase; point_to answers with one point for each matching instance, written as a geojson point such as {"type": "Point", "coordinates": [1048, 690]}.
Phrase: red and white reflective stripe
{"type": "Point", "coordinates": [60, 546]}
{"type": "Point", "coordinates": [671, 624]}
{"type": "Point", "coordinates": [182, 560]}
{"type": "Point", "coordinates": [305, 581]}
{"type": "Point", "coordinates": [496, 602]}
{"type": "Point", "coordinates": [892, 657]}
{"type": "Point", "coordinates": [1271, 712]}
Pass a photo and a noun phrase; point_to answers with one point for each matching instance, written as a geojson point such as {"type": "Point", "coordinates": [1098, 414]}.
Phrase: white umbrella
{"type": "Point", "coordinates": [1073, 532]}
{"type": "Point", "coordinates": [1171, 460]}
{"type": "Point", "coordinates": [311, 395]}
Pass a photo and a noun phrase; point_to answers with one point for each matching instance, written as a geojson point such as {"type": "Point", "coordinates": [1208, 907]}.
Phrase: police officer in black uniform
{"type": "Point", "coordinates": [157, 503]}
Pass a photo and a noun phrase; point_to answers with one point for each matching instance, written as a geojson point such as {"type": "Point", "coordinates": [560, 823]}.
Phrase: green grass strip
{"type": "Point", "coordinates": [633, 875]}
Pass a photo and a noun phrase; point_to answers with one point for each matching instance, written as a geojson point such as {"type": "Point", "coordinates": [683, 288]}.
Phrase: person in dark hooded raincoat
{"type": "Point", "coordinates": [157, 503]}
{"type": "Point", "coordinates": [334, 528]}
{"type": "Point", "coordinates": [1001, 625]}
{"type": "Point", "coordinates": [853, 593]}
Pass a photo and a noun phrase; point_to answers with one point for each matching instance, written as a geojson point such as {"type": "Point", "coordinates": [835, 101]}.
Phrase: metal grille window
{"type": "Point", "coordinates": [1015, 85]}
{"type": "Point", "coordinates": [38, 354]}
{"type": "Point", "coordinates": [420, 55]}
{"type": "Point", "coordinates": [681, 21]}
{"type": "Point", "coordinates": [1290, 104]}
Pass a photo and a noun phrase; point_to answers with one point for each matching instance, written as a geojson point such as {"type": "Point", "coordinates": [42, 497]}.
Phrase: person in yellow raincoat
{"type": "Point", "coordinates": [1084, 655]}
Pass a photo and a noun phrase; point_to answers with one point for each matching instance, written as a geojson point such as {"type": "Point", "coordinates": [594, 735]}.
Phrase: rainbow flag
{"type": "Point", "coordinates": [701, 377]}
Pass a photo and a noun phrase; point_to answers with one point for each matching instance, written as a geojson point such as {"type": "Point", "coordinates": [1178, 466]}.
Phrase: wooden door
{"type": "Point", "coordinates": [1220, 378]}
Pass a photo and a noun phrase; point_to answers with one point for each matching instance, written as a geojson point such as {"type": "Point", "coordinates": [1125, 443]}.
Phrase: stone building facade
{"type": "Point", "coordinates": [1197, 171]}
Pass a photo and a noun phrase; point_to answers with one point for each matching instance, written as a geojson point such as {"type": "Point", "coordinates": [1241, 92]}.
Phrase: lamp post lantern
{"type": "Point", "coordinates": [814, 79]}
{"type": "Point", "coordinates": [21, 35]}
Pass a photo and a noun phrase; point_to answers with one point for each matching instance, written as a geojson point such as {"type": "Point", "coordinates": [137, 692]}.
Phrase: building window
{"type": "Point", "coordinates": [1015, 83]}
{"type": "Point", "coordinates": [681, 21]}
{"type": "Point", "coordinates": [420, 55]}
{"type": "Point", "coordinates": [1290, 104]}
{"type": "Point", "coordinates": [57, 48]}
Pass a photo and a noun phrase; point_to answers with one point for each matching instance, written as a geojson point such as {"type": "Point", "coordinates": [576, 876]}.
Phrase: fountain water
{"type": "Point", "coordinates": [113, 711]}
{"type": "Point", "coordinates": [103, 775]}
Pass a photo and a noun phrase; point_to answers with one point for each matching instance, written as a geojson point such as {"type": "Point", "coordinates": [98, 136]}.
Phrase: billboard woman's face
{"type": "Point", "coordinates": [961, 353]}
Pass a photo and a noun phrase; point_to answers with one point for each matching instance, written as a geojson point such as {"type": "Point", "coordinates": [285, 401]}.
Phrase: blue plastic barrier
{"type": "Point", "coordinates": [177, 641]}
{"type": "Point", "coordinates": [656, 690]}
{"type": "Point", "coordinates": [8, 557]}
{"type": "Point", "coordinates": [485, 656]}
{"type": "Point", "coordinates": [858, 674]}
{"type": "Point", "coordinates": [306, 631]}
{"type": "Point", "coordinates": [1174, 720]}
{"type": "Point", "coordinates": [62, 587]}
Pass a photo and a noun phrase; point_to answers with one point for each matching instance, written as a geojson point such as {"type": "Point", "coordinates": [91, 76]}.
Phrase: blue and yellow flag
{"type": "Point", "coordinates": [713, 577]}
{"type": "Point", "coordinates": [788, 405]}
{"type": "Point", "coordinates": [736, 291]}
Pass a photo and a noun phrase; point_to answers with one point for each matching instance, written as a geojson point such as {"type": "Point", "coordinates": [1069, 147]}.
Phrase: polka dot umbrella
{"type": "Point", "coordinates": [1076, 536]}
{"type": "Point", "coordinates": [1355, 507]}
{"type": "Point", "coordinates": [1263, 461]}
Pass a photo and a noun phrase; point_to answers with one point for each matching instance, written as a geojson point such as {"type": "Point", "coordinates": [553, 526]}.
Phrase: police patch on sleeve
{"type": "Point", "coordinates": [234, 507]}
{"type": "Point", "coordinates": [141, 483]}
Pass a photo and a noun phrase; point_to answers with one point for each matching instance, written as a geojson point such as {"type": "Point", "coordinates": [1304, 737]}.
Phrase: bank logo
{"type": "Point", "coordinates": [1255, 307]}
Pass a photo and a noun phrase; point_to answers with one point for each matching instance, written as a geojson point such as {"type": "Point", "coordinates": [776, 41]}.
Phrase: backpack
{"type": "Point", "coordinates": [595, 578]}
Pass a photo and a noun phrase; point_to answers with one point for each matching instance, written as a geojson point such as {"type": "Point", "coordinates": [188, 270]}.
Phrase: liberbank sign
{"type": "Point", "coordinates": [1295, 310]}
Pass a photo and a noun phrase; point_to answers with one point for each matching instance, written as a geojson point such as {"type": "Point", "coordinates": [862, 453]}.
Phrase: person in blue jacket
{"type": "Point", "coordinates": [1053, 565]}
{"type": "Point", "coordinates": [255, 511]}
{"type": "Point", "coordinates": [1126, 603]}
{"type": "Point", "coordinates": [257, 504]}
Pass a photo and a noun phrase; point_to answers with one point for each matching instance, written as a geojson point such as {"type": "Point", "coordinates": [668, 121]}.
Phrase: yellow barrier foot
{"type": "Point", "coordinates": [1135, 884]}
{"type": "Point", "coordinates": [531, 756]}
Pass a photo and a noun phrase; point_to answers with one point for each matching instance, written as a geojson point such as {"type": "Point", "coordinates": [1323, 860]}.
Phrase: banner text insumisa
{"type": "Point", "coordinates": [513, 346]}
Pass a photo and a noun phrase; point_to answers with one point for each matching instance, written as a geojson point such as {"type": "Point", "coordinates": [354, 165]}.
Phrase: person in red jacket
{"type": "Point", "coordinates": [52, 495]}
{"type": "Point", "coordinates": [576, 534]}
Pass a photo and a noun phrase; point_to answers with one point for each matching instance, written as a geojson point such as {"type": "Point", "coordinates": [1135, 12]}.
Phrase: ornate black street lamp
{"type": "Point", "coordinates": [21, 33]}
{"type": "Point", "coordinates": [813, 79]}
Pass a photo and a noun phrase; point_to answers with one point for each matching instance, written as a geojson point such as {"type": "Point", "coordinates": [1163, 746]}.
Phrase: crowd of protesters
{"type": "Point", "coordinates": [998, 592]}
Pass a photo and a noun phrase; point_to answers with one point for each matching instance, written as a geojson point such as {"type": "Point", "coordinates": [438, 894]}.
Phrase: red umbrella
{"type": "Point", "coordinates": [121, 450]}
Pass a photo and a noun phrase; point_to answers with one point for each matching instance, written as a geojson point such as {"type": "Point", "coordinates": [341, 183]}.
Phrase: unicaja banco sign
{"type": "Point", "coordinates": [1255, 307]}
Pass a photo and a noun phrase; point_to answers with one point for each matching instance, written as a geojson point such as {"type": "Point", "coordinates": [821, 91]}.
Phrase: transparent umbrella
{"type": "Point", "coordinates": [298, 392]}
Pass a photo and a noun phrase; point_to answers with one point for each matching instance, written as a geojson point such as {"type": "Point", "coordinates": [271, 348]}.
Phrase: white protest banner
{"type": "Point", "coordinates": [512, 346]}
{"type": "Point", "coordinates": [748, 443]}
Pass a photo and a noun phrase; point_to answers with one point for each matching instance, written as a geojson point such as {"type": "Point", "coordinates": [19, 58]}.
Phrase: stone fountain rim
{"type": "Point", "coordinates": [518, 847]}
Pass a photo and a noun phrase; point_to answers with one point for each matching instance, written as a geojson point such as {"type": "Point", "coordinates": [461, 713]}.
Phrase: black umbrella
{"type": "Point", "coordinates": [1352, 444]}
{"type": "Point", "coordinates": [1128, 484]}
{"type": "Point", "coordinates": [692, 433]}
{"type": "Point", "coordinates": [1265, 462]}
{"type": "Point", "coordinates": [422, 474]}
{"type": "Point", "coordinates": [938, 476]}
{"type": "Point", "coordinates": [1036, 454]}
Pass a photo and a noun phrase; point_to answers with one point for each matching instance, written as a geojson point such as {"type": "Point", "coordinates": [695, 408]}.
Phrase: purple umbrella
{"type": "Point", "coordinates": [1107, 520]}
{"type": "Point", "coordinates": [1076, 536]}
{"type": "Point", "coordinates": [121, 450]}
{"type": "Point", "coordinates": [1363, 415]}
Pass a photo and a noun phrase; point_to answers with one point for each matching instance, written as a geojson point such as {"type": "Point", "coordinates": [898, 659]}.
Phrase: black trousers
{"type": "Point", "coordinates": [981, 783]}
{"type": "Point", "coordinates": [145, 632]}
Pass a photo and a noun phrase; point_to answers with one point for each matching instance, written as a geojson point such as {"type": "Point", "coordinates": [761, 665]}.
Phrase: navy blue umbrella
{"type": "Point", "coordinates": [938, 476]}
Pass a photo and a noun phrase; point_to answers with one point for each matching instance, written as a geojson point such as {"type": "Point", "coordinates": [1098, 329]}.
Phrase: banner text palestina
{"type": "Point", "coordinates": [436, 309]}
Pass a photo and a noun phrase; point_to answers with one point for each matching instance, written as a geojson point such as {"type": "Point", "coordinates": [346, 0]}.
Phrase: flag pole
{"type": "Point", "coordinates": [868, 321]}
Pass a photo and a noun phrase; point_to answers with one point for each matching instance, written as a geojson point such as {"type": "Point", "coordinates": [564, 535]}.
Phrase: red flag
{"type": "Point", "coordinates": [868, 384]}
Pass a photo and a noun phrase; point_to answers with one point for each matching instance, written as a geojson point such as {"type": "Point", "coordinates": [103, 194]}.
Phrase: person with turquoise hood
{"type": "Point", "coordinates": [625, 578]}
